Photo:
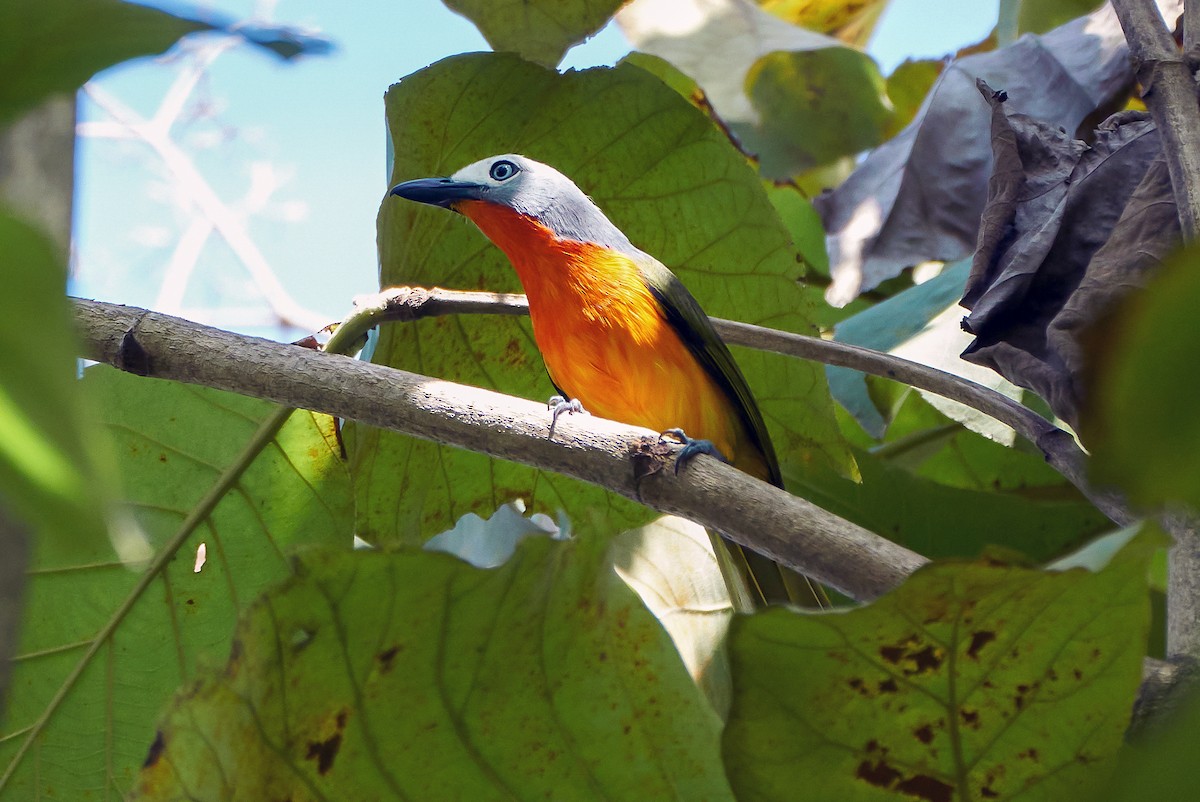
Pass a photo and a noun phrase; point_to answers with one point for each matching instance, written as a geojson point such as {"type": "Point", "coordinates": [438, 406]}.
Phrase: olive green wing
{"type": "Point", "coordinates": [689, 321]}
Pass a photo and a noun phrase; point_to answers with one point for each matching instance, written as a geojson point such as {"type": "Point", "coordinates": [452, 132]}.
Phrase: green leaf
{"type": "Point", "coordinates": [172, 441]}
{"type": "Point", "coordinates": [815, 106]}
{"type": "Point", "coordinates": [940, 521]}
{"type": "Point", "coordinates": [1140, 420]}
{"type": "Point", "coordinates": [412, 675]}
{"type": "Point", "coordinates": [794, 98]}
{"type": "Point", "coordinates": [56, 45]}
{"type": "Point", "coordinates": [539, 30]}
{"type": "Point", "coordinates": [53, 46]}
{"type": "Point", "coordinates": [907, 87]}
{"type": "Point", "coordinates": [47, 459]}
{"type": "Point", "coordinates": [665, 175]}
{"type": "Point", "coordinates": [970, 681]}
{"type": "Point", "coordinates": [1039, 16]}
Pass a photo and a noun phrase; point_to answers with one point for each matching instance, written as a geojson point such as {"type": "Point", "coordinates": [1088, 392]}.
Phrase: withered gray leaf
{"type": "Point", "coordinates": [1069, 228]}
{"type": "Point", "coordinates": [920, 195]}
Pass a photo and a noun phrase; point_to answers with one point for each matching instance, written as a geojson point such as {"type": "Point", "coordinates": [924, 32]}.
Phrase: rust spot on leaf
{"type": "Point", "coordinates": [888, 686]}
{"type": "Point", "coordinates": [969, 717]}
{"type": "Point", "coordinates": [324, 752]}
{"type": "Point", "coordinates": [386, 658]}
{"type": "Point", "coordinates": [156, 750]}
{"type": "Point", "coordinates": [924, 734]}
{"type": "Point", "coordinates": [978, 641]}
{"type": "Point", "coordinates": [923, 786]}
{"type": "Point", "coordinates": [878, 773]}
{"type": "Point", "coordinates": [1029, 754]}
{"type": "Point", "coordinates": [912, 660]}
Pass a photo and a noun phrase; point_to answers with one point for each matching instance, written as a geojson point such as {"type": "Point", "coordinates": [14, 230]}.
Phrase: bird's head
{"type": "Point", "coordinates": [525, 186]}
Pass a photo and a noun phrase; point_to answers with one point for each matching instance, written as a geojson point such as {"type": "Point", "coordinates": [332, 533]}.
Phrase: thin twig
{"type": "Point", "coordinates": [1059, 447]}
{"type": "Point", "coordinates": [785, 528]}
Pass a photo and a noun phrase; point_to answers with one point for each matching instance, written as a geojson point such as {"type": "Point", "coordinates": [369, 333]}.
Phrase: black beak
{"type": "Point", "coordinates": [438, 191]}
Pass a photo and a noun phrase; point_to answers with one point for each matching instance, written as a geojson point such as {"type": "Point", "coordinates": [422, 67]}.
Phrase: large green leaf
{"type": "Point", "coordinates": [970, 681]}
{"type": "Point", "coordinates": [539, 30]}
{"type": "Point", "coordinates": [133, 637]}
{"type": "Point", "coordinates": [1140, 417]}
{"type": "Point", "coordinates": [413, 675]}
{"type": "Point", "coordinates": [665, 175]}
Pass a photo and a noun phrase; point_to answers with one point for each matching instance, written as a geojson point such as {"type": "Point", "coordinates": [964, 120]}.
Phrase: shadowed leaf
{"type": "Point", "coordinates": [1069, 229]}
{"type": "Point", "coordinates": [920, 195]}
{"type": "Point", "coordinates": [54, 46]}
{"type": "Point", "coordinates": [970, 681]}
{"type": "Point", "coordinates": [412, 675]}
{"type": "Point", "coordinates": [1141, 418]}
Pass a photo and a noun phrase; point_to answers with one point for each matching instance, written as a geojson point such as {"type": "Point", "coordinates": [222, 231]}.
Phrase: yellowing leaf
{"type": "Point", "coordinates": [852, 21]}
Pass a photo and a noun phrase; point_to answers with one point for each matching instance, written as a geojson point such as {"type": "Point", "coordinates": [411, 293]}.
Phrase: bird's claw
{"type": "Point", "coordinates": [691, 447]}
{"type": "Point", "coordinates": [558, 405]}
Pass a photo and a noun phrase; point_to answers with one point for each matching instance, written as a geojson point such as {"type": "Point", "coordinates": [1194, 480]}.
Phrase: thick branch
{"type": "Point", "coordinates": [786, 528]}
{"type": "Point", "coordinates": [1170, 93]}
{"type": "Point", "coordinates": [1059, 448]}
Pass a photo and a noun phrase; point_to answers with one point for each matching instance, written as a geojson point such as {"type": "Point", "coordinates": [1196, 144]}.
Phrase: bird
{"type": "Point", "coordinates": [620, 334]}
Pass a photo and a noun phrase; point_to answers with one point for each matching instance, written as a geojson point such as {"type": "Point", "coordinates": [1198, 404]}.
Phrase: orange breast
{"type": "Point", "coordinates": [605, 340]}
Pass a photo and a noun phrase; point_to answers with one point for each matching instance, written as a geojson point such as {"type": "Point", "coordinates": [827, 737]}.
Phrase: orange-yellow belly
{"type": "Point", "coordinates": [605, 340]}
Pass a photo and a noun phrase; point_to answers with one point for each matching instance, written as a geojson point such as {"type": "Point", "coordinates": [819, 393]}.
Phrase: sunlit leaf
{"type": "Point", "coordinates": [665, 175]}
{"type": "Point", "coordinates": [1039, 16]}
{"type": "Point", "coordinates": [852, 21]}
{"type": "Point", "coordinates": [172, 441]}
{"type": "Point", "coordinates": [412, 675]}
{"type": "Point", "coordinates": [815, 106]}
{"type": "Point", "coordinates": [970, 681]}
{"type": "Point", "coordinates": [48, 473]}
{"type": "Point", "coordinates": [768, 80]}
{"type": "Point", "coordinates": [539, 30]}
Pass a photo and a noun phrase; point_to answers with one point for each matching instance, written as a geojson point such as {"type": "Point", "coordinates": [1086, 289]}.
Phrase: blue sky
{"type": "Point", "coordinates": [315, 131]}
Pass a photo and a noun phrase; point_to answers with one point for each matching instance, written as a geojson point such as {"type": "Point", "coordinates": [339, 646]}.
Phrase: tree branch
{"type": "Point", "coordinates": [757, 515]}
{"type": "Point", "coordinates": [1170, 93]}
{"type": "Point", "coordinates": [1059, 448]}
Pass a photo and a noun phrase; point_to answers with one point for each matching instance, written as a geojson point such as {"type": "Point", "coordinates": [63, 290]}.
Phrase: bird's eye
{"type": "Point", "coordinates": [503, 170]}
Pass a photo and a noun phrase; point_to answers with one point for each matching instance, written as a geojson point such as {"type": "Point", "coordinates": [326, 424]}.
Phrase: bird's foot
{"type": "Point", "coordinates": [691, 447]}
{"type": "Point", "coordinates": [558, 405]}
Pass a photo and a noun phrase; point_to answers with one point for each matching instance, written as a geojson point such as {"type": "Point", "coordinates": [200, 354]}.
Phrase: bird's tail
{"type": "Point", "coordinates": [756, 581]}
